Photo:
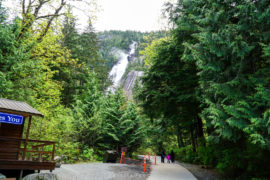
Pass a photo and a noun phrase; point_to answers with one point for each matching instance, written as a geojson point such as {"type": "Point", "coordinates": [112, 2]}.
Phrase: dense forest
{"type": "Point", "coordinates": [208, 84]}
{"type": "Point", "coordinates": [47, 63]}
{"type": "Point", "coordinates": [205, 92]}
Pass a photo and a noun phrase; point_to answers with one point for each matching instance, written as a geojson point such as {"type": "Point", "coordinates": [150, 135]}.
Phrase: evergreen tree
{"type": "Point", "coordinates": [90, 56]}
{"type": "Point", "coordinates": [86, 105]}
{"type": "Point", "coordinates": [169, 89]}
{"type": "Point", "coordinates": [131, 129]}
{"type": "Point", "coordinates": [121, 124]}
{"type": "Point", "coordinates": [15, 64]}
{"type": "Point", "coordinates": [84, 49]}
{"type": "Point", "coordinates": [2, 13]}
{"type": "Point", "coordinates": [230, 49]}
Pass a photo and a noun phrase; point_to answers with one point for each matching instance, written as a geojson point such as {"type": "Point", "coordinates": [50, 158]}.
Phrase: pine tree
{"type": "Point", "coordinates": [229, 44]}
{"type": "Point", "coordinates": [89, 54]}
{"type": "Point", "coordinates": [169, 88]}
{"type": "Point", "coordinates": [121, 124]}
{"type": "Point", "coordinates": [86, 106]}
{"type": "Point", "coordinates": [2, 13]}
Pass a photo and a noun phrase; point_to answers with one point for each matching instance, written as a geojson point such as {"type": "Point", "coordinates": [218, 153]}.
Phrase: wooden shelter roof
{"type": "Point", "coordinates": [11, 106]}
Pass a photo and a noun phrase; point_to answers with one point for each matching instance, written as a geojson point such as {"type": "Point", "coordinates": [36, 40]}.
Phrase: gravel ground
{"type": "Point", "coordinates": [201, 173]}
{"type": "Point", "coordinates": [116, 171]}
{"type": "Point", "coordinates": [100, 171]}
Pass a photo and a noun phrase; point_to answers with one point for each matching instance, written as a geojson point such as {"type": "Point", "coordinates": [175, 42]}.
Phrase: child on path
{"type": "Point", "coordinates": [168, 158]}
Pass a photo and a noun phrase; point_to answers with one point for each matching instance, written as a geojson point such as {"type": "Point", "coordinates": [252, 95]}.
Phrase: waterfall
{"type": "Point", "coordinates": [119, 69]}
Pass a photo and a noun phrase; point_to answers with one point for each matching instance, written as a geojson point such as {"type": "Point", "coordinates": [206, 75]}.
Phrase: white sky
{"type": "Point", "coordinates": [140, 15]}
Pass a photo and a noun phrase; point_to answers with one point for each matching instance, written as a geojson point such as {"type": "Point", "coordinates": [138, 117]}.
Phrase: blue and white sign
{"type": "Point", "coordinates": [11, 118]}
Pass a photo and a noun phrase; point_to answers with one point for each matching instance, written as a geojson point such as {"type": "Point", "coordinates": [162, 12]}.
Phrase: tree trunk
{"type": "Point", "coordinates": [179, 137]}
{"type": "Point", "coordinates": [192, 139]}
{"type": "Point", "coordinates": [200, 134]}
{"type": "Point", "coordinates": [199, 127]}
{"type": "Point", "coordinates": [196, 139]}
{"type": "Point", "coordinates": [160, 147]}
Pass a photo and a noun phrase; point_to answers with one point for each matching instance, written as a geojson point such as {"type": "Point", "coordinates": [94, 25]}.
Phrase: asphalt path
{"type": "Point", "coordinates": [169, 171]}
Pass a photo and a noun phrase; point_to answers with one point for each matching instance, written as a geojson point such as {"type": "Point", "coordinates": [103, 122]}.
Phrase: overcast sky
{"type": "Point", "coordinates": [139, 15]}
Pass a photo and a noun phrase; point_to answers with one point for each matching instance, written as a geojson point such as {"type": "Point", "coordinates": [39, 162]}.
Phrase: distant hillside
{"type": "Point", "coordinates": [109, 40]}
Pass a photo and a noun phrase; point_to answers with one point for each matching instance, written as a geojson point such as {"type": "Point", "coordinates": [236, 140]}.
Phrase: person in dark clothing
{"type": "Point", "coordinates": [172, 156]}
{"type": "Point", "coordinates": [162, 156]}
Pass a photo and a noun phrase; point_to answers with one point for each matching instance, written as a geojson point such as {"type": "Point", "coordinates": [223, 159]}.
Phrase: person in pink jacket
{"type": "Point", "coordinates": [168, 158]}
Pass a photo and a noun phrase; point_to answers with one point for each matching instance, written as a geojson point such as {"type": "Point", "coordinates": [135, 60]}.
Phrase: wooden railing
{"type": "Point", "coordinates": [30, 150]}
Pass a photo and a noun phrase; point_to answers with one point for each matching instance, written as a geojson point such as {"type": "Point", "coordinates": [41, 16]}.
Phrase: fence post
{"type": "Point", "coordinates": [144, 163]}
{"type": "Point", "coordinates": [155, 159]}
{"type": "Point", "coordinates": [53, 152]}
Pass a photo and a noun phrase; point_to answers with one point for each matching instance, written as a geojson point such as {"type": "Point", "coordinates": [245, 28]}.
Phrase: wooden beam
{"type": "Point", "coordinates": [4, 138]}
{"type": "Point", "coordinates": [25, 114]}
{"type": "Point", "coordinates": [30, 165]}
{"type": "Point", "coordinates": [27, 135]}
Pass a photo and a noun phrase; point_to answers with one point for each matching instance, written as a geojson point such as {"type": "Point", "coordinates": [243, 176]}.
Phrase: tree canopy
{"type": "Point", "coordinates": [211, 79]}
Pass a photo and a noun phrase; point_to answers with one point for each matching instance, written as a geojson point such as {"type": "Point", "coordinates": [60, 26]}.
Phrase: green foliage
{"type": "Point", "coordinates": [84, 52]}
{"type": "Point", "coordinates": [214, 69]}
{"type": "Point", "coordinates": [186, 154]}
{"type": "Point", "coordinates": [2, 13]}
{"type": "Point", "coordinates": [87, 104]}
{"type": "Point", "coordinates": [228, 43]}
{"type": "Point", "coordinates": [121, 124]}
{"type": "Point", "coordinates": [233, 88]}
{"type": "Point", "coordinates": [207, 155]}
{"type": "Point", "coordinates": [88, 155]}
{"type": "Point", "coordinates": [59, 72]}
{"type": "Point", "coordinates": [209, 79]}
{"type": "Point", "coordinates": [168, 90]}
{"type": "Point", "coordinates": [23, 72]}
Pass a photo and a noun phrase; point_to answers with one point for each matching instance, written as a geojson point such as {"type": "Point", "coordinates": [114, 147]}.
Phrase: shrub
{"type": "Point", "coordinates": [207, 155]}
{"type": "Point", "coordinates": [186, 154]}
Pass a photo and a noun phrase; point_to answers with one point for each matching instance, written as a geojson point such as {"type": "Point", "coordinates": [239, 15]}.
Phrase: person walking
{"type": "Point", "coordinates": [168, 158]}
{"type": "Point", "coordinates": [162, 156]}
{"type": "Point", "coordinates": [172, 156]}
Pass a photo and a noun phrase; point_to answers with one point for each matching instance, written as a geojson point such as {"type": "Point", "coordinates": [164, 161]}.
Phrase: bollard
{"type": "Point", "coordinates": [121, 158]}
{"type": "Point", "coordinates": [155, 159]}
{"type": "Point", "coordinates": [144, 163]}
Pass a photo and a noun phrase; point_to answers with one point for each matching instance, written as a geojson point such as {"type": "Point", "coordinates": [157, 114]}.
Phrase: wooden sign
{"type": "Point", "coordinates": [11, 118]}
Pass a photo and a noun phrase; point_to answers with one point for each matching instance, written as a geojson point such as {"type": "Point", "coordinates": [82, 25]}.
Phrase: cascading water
{"type": "Point", "coordinates": [119, 69]}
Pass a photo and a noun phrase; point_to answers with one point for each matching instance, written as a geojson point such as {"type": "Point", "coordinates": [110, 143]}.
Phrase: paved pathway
{"type": "Point", "coordinates": [165, 171]}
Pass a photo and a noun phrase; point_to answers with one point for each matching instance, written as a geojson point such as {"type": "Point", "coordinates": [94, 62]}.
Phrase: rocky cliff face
{"type": "Point", "coordinates": [129, 82]}
{"type": "Point", "coordinates": [127, 62]}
